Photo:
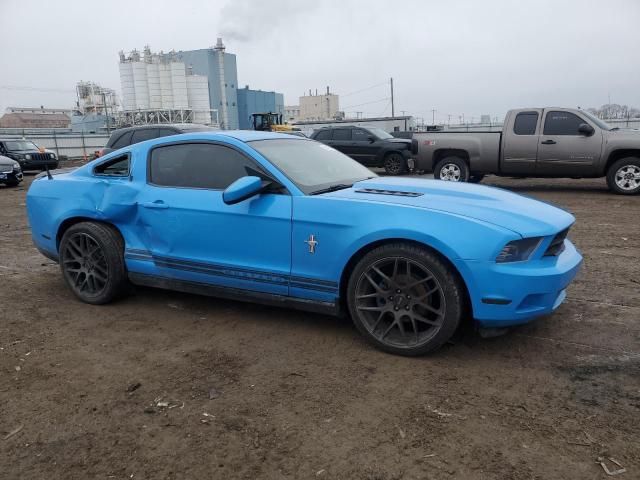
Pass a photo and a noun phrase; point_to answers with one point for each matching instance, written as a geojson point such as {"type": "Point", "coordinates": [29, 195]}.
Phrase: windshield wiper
{"type": "Point", "coordinates": [332, 188]}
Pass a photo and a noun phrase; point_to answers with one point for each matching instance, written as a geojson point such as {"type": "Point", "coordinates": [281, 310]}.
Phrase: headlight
{"type": "Point", "coordinates": [52, 155]}
{"type": "Point", "coordinates": [27, 157]}
{"type": "Point", "coordinates": [518, 250]}
{"type": "Point", "coordinates": [16, 166]}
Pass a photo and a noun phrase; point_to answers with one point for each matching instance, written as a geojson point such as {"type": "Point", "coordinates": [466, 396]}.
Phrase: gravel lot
{"type": "Point", "coordinates": [255, 392]}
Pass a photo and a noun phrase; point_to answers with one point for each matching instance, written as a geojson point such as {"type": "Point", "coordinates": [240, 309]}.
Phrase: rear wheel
{"type": "Point", "coordinates": [394, 164]}
{"type": "Point", "coordinates": [452, 169]}
{"type": "Point", "coordinates": [92, 262]}
{"type": "Point", "coordinates": [404, 299]}
{"type": "Point", "coordinates": [623, 177]}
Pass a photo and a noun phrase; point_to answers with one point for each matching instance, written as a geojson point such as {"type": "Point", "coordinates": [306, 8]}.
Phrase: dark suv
{"type": "Point", "coordinates": [28, 154]}
{"type": "Point", "coordinates": [372, 147]}
{"type": "Point", "coordinates": [124, 137]}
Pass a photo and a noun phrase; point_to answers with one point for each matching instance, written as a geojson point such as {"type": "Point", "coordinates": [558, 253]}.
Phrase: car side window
{"type": "Point", "coordinates": [324, 134]}
{"type": "Point", "coordinates": [117, 167]}
{"type": "Point", "coordinates": [342, 134]}
{"type": "Point", "coordinates": [144, 134]}
{"type": "Point", "coordinates": [123, 140]}
{"type": "Point", "coordinates": [199, 165]}
{"type": "Point", "coordinates": [562, 123]}
{"type": "Point", "coordinates": [165, 132]}
{"type": "Point", "coordinates": [525, 123]}
{"type": "Point", "coordinates": [360, 135]}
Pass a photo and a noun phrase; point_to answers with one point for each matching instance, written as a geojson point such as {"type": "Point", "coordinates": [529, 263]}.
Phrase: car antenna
{"type": "Point", "coordinates": [49, 176]}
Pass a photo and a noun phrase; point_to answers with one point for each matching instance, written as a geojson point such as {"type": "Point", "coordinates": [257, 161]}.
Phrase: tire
{"type": "Point", "coordinates": [623, 176]}
{"type": "Point", "coordinates": [394, 164]}
{"type": "Point", "coordinates": [92, 262]}
{"type": "Point", "coordinates": [452, 169]}
{"type": "Point", "coordinates": [476, 178]}
{"type": "Point", "coordinates": [404, 299]}
{"type": "Point", "coordinates": [12, 183]}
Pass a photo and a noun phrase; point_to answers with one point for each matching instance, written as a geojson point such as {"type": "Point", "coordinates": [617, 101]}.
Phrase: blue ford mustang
{"type": "Point", "coordinates": [284, 220]}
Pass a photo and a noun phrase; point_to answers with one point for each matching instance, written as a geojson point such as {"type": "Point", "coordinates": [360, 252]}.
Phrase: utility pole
{"type": "Point", "coordinates": [393, 111]}
{"type": "Point", "coordinates": [433, 116]}
{"type": "Point", "coordinates": [448, 120]}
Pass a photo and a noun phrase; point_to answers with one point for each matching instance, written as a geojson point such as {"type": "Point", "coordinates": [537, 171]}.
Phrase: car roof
{"type": "Point", "coordinates": [176, 126]}
{"type": "Point", "coordinates": [252, 135]}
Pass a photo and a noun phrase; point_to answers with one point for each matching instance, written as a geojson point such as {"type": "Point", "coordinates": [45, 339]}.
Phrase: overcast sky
{"type": "Point", "coordinates": [456, 56]}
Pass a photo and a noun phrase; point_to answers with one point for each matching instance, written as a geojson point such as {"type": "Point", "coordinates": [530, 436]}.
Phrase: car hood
{"type": "Point", "coordinates": [520, 214]}
{"type": "Point", "coordinates": [6, 162]}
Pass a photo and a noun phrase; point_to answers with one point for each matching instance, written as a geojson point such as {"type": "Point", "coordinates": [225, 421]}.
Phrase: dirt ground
{"type": "Point", "coordinates": [263, 393]}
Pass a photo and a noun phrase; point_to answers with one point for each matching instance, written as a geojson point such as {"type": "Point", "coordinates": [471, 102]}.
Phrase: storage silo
{"type": "Point", "coordinates": [153, 80]}
{"type": "Point", "coordinates": [198, 93]}
{"type": "Point", "coordinates": [179, 85]}
{"type": "Point", "coordinates": [166, 91]}
{"type": "Point", "coordinates": [140, 84]}
{"type": "Point", "coordinates": [128, 89]}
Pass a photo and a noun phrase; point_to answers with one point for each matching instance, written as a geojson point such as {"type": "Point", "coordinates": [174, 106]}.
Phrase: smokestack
{"type": "Point", "coordinates": [327, 89]}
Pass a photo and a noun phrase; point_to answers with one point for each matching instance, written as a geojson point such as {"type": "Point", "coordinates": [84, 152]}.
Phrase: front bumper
{"type": "Point", "coordinates": [10, 177]}
{"type": "Point", "coordinates": [38, 164]}
{"type": "Point", "coordinates": [506, 294]}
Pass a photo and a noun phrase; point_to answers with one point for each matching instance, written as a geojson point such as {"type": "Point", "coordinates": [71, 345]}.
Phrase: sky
{"type": "Point", "coordinates": [457, 57]}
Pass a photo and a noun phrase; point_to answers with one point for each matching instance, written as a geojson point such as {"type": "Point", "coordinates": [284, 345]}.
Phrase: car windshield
{"type": "Point", "coordinates": [21, 145]}
{"type": "Point", "coordinates": [378, 132]}
{"type": "Point", "coordinates": [601, 123]}
{"type": "Point", "coordinates": [311, 165]}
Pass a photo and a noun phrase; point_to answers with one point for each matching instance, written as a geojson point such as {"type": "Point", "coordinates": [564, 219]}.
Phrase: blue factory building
{"type": "Point", "coordinates": [257, 101]}
{"type": "Point", "coordinates": [234, 106]}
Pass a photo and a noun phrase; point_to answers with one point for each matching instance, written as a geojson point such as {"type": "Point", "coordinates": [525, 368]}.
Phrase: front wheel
{"type": "Point", "coordinates": [92, 262]}
{"type": "Point", "coordinates": [394, 164]}
{"type": "Point", "coordinates": [452, 169]}
{"type": "Point", "coordinates": [404, 299]}
{"type": "Point", "coordinates": [623, 177]}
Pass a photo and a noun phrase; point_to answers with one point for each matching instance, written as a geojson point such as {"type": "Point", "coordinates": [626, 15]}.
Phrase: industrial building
{"type": "Point", "coordinates": [291, 113]}
{"type": "Point", "coordinates": [35, 118]}
{"type": "Point", "coordinates": [96, 108]}
{"type": "Point", "coordinates": [319, 107]}
{"type": "Point", "coordinates": [160, 88]}
{"type": "Point", "coordinates": [199, 86]}
{"type": "Point", "coordinates": [256, 101]}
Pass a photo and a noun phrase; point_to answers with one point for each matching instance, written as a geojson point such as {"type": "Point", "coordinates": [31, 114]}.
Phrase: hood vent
{"type": "Point", "coordinates": [377, 191]}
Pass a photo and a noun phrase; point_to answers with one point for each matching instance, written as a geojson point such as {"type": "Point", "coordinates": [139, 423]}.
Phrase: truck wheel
{"type": "Point", "coordinates": [623, 177]}
{"type": "Point", "coordinates": [394, 164]}
{"type": "Point", "coordinates": [452, 169]}
{"type": "Point", "coordinates": [404, 299]}
{"type": "Point", "coordinates": [92, 262]}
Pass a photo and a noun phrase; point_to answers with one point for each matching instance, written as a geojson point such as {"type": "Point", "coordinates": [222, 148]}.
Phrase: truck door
{"type": "Point", "coordinates": [521, 142]}
{"type": "Point", "coordinates": [341, 140]}
{"type": "Point", "coordinates": [563, 149]}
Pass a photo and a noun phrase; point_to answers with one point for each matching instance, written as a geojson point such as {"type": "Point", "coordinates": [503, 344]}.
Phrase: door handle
{"type": "Point", "coordinates": [156, 204]}
{"type": "Point", "coordinates": [548, 142]}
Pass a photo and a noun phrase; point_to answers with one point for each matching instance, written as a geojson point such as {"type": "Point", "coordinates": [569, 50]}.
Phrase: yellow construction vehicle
{"type": "Point", "coordinates": [270, 122]}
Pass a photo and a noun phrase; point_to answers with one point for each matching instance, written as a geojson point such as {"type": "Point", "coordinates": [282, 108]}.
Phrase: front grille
{"type": "Point", "coordinates": [40, 157]}
{"type": "Point", "coordinates": [389, 192]}
{"type": "Point", "coordinates": [556, 247]}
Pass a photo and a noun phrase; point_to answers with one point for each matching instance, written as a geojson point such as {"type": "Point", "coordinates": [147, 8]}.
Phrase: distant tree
{"type": "Point", "coordinates": [614, 111]}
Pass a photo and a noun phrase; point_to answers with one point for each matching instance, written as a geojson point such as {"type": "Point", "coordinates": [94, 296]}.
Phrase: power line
{"type": "Point", "coordinates": [366, 103]}
{"type": "Point", "coordinates": [35, 89]}
{"type": "Point", "coordinates": [364, 89]}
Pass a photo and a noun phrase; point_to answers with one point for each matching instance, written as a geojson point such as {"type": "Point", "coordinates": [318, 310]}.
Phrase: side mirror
{"type": "Point", "coordinates": [586, 129]}
{"type": "Point", "coordinates": [241, 189]}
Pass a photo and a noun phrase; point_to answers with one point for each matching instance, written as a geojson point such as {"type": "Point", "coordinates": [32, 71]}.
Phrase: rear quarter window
{"type": "Point", "coordinates": [323, 135]}
{"type": "Point", "coordinates": [121, 140]}
{"type": "Point", "coordinates": [525, 123]}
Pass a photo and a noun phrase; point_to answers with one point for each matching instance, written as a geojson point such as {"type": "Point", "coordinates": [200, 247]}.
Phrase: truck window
{"type": "Point", "coordinates": [562, 123]}
{"type": "Point", "coordinates": [525, 123]}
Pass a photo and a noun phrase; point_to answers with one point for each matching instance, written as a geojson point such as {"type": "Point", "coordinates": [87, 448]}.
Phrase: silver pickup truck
{"type": "Point", "coordinates": [537, 142]}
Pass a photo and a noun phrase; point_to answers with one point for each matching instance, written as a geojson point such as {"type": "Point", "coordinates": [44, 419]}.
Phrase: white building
{"type": "Point", "coordinates": [158, 86]}
{"type": "Point", "coordinates": [319, 107]}
{"type": "Point", "coordinates": [291, 113]}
